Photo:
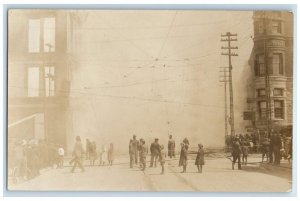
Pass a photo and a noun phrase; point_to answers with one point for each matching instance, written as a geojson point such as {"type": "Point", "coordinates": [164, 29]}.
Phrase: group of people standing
{"type": "Point", "coordinates": [90, 154]}
{"type": "Point", "coordinates": [28, 157]}
{"type": "Point", "coordinates": [138, 150]}
{"type": "Point", "coordinates": [276, 147]}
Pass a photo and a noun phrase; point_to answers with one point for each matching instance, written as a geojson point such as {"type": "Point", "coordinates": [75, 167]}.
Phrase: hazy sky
{"type": "Point", "coordinates": [154, 73]}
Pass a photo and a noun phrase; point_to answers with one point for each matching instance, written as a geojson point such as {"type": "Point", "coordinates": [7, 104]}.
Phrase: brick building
{"type": "Point", "coordinates": [40, 56]}
{"type": "Point", "coordinates": [273, 36]}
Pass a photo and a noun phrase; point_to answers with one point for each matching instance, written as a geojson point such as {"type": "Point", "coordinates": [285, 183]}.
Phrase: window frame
{"type": "Point", "coordinates": [258, 91]}
{"type": "Point", "coordinates": [41, 36]}
{"type": "Point", "coordinates": [281, 108]}
{"type": "Point", "coordinates": [262, 114]}
{"type": "Point", "coordinates": [279, 89]}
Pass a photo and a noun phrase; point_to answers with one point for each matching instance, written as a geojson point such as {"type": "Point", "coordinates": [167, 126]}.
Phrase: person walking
{"type": "Point", "coordinates": [162, 159]}
{"type": "Point", "coordinates": [154, 150]}
{"type": "Point", "coordinates": [183, 157]}
{"type": "Point", "coordinates": [77, 155]}
{"type": "Point", "coordinates": [110, 154]}
{"type": "Point", "coordinates": [200, 158]}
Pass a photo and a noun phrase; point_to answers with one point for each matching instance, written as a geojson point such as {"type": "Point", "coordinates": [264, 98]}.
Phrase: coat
{"type": "Point", "coordinates": [78, 150]}
{"type": "Point", "coordinates": [183, 157]}
{"type": "Point", "coordinates": [155, 149]}
{"type": "Point", "coordinates": [200, 157]}
{"type": "Point", "coordinates": [236, 149]}
{"type": "Point", "coordinates": [110, 154]}
{"type": "Point", "coordinates": [171, 147]}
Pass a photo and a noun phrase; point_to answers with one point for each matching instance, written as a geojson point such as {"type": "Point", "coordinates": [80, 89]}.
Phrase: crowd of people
{"type": "Point", "coordinates": [138, 151]}
{"type": "Point", "coordinates": [273, 147]}
{"type": "Point", "coordinates": [28, 157]}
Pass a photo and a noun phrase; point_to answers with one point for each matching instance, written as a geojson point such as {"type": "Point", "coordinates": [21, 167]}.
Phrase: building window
{"type": "Point", "coordinates": [276, 26]}
{"type": "Point", "coordinates": [260, 69]}
{"type": "Point", "coordinates": [34, 31]}
{"type": "Point", "coordinates": [261, 92]}
{"type": "Point", "coordinates": [33, 82]}
{"type": "Point", "coordinates": [278, 92]}
{"type": "Point", "coordinates": [262, 107]}
{"type": "Point", "coordinates": [278, 109]}
{"type": "Point", "coordinates": [260, 27]}
{"type": "Point", "coordinates": [277, 67]}
{"type": "Point", "coordinates": [49, 34]}
{"type": "Point", "coordinates": [49, 81]}
{"type": "Point", "coordinates": [41, 35]}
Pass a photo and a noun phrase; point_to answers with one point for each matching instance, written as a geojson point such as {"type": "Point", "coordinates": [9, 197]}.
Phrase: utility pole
{"type": "Point", "coordinates": [224, 79]}
{"type": "Point", "coordinates": [267, 80]}
{"type": "Point", "coordinates": [228, 37]}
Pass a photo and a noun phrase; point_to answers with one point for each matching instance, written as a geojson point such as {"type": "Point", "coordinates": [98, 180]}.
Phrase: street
{"type": "Point", "coordinates": [217, 176]}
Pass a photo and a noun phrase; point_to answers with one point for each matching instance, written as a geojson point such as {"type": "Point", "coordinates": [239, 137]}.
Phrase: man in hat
{"type": "Point", "coordinates": [171, 147]}
{"type": "Point", "coordinates": [236, 153]}
{"type": "Point", "coordinates": [154, 150]}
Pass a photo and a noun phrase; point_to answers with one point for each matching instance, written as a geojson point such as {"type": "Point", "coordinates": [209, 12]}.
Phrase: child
{"type": "Point", "coordinates": [144, 151]}
{"type": "Point", "coordinates": [200, 158]}
{"type": "Point", "coordinates": [102, 154]}
{"type": "Point", "coordinates": [162, 159]}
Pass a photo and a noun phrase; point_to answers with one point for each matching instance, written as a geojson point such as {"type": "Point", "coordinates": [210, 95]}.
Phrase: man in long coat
{"type": "Point", "coordinates": [171, 147]}
{"type": "Point", "coordinates": [236, 154]}
{"type": "Point", "coordinates": [155, 150]}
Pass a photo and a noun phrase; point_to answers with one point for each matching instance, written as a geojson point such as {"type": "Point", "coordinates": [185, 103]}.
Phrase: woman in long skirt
{"type": "Point", "coordinates": [200, 158]}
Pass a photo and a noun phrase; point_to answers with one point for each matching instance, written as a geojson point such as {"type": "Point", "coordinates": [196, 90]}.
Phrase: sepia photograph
{"type": "Point", "coordinates": [150, 100]}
